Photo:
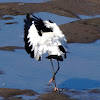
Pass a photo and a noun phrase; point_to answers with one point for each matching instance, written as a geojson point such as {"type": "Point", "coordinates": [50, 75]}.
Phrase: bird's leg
{"type": "Point", "coordinates": [53, 78]}
{"type": "Point", "coordinates": [58, 67]}
{"type": "Point", "coordinates": [56, 89]}
{"type": "Point", "coordinates": [54, 73]}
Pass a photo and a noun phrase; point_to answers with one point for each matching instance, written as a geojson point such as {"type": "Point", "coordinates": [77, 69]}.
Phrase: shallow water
{"type": "Point", "coordinates": [88, 17]}
{"type": "Point", "coordinates": [81, 70]}
{"type": "Point", "coordinates": [23, 1]}
{"type": "Point", "coordinates": [55, 18]}
{"type": "Point", "coordinates": [83, 65]}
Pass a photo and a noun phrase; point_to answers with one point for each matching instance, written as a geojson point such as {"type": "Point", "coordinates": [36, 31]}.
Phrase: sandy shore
{"type": "Point", "coordinates": [65, 7]}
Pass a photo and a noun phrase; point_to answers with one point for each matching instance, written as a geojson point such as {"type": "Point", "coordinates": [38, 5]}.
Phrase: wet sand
{"type": "Point", "coordinates": [10, 94]}
{"type": "Point", "coordinates": [82, 31]}
{"type": "Point", "coordinates": [65, 7]}
{"type": "Point", "coordinates": [17, 94]}
{"type": "Point", "coordinates": [55, 96]}
{"type": "Point", "coordinates": [10, 48]}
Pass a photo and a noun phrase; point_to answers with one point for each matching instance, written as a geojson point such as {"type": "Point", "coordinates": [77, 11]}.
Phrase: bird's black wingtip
{"type": "Point", "coordinates": [28, 18]}
{"type": "Point", "coordinates": [34, 17]}
{"type": "Point", "coordinates": [27, 15]}
{"type": "Point", "coordinates": [50, 21]}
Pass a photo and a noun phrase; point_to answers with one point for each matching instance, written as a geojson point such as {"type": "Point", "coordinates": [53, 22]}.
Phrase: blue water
{"type": "Point", "coordinates": [80, 84]}
{"type": "Point", "coordinates": [88, 17]}
{"type": "Point", "coordinates": [79, 71]}
{"type": "Point", "coordinates": [12, 33]}
{"type": "Point", "coordinates": [55, 18]}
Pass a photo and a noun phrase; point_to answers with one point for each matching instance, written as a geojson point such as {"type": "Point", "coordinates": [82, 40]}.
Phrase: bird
{"type": "Point", "coordinates": [44, 36]}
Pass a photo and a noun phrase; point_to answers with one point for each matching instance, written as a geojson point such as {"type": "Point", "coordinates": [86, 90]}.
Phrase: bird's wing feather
{"type": "Point", "coordinates": [40, 26]}
{"type": "Point", "coordinates": [58, 35]}
{"type": "Point", "coordinates": [34, 41]}
{"type": "Point", "coordinates": [60, 39]}
{"type": "Point", "coordinates": [31, 36]}
{"type": "Point", "coordinates": [28, 23]}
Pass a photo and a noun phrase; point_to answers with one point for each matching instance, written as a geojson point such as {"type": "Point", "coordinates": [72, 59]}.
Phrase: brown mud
{"type": "Point", "coordinates": [10, 94]}
{"type": "Point", "coordinates": [82, 31]}
{"type": "Point", "coordinates": [10, 48]}
{"type": "Point", "coordinates": [55, 96]}
{"type": "Point", "coordinates": [70, 8]}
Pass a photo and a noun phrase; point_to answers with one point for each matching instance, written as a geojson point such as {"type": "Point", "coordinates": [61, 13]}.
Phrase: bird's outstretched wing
{"type": "Point", "coordinates": [28, 23]}
{"type": "Point", "coordinates": [31, 36]}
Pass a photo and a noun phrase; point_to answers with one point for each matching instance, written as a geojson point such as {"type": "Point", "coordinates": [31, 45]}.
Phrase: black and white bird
{"type": "Point", "coordinates": [44, 37]}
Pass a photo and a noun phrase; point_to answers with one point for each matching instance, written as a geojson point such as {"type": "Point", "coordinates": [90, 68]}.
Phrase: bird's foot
{"type": "Point", "coordinates": [52, 79]}
{"type": "Point", "coordinates": [55, 89]}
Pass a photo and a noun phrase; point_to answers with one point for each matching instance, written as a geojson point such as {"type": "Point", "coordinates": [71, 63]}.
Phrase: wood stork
{"type": "Point", "coordinates": [44, 37]}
